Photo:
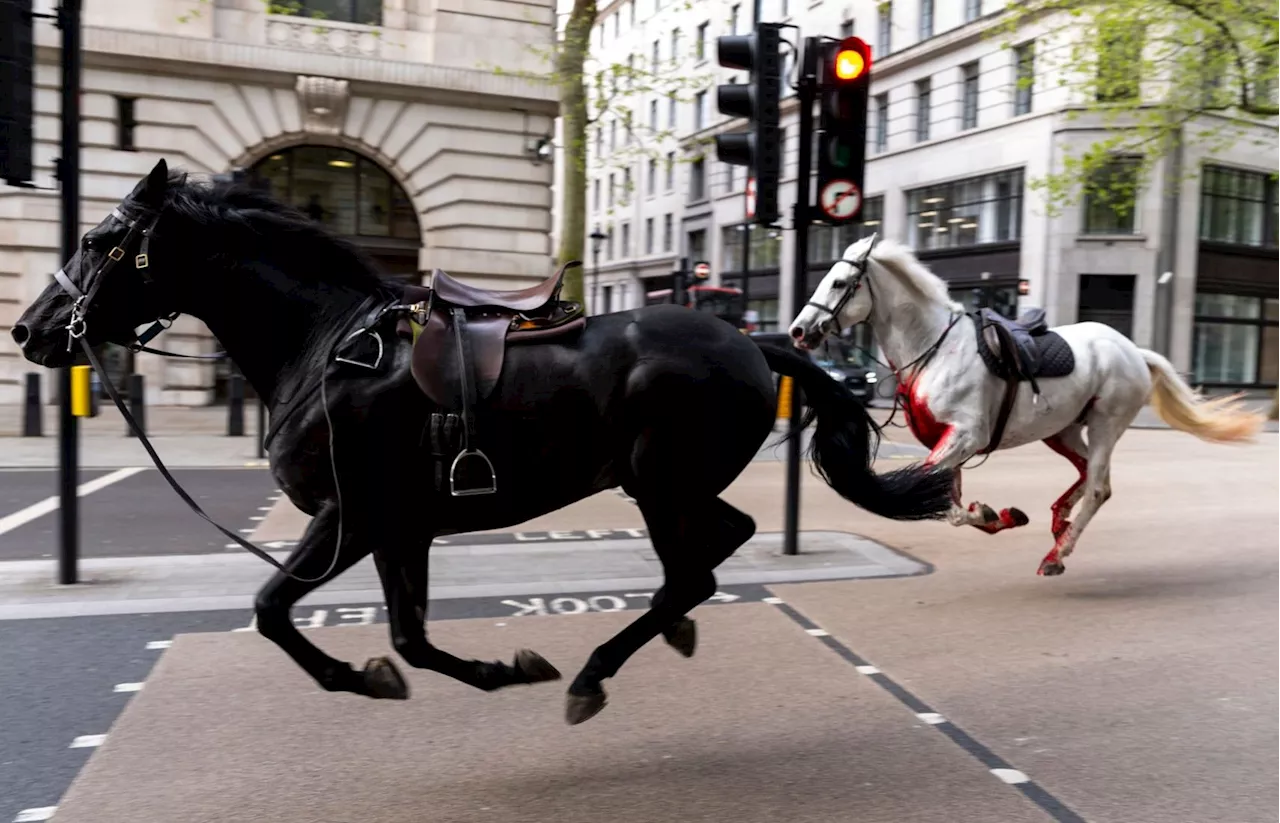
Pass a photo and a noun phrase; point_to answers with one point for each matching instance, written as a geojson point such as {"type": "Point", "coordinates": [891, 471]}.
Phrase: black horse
{"type": "Point", "coordinates": [669, 404]}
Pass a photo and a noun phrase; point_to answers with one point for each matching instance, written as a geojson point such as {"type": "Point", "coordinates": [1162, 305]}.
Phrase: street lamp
{"type": "Point", "coordinates": [597, 239]}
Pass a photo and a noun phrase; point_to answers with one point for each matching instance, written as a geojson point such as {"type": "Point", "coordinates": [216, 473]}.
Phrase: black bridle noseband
{"type": "Point", "coordinates": [850, 289]}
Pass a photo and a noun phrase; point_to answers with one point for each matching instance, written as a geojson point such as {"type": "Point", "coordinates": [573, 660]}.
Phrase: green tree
{"type": "Point", "coordinates": [1151, 73]}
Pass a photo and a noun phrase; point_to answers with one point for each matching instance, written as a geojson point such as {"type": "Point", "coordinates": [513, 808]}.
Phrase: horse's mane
{"type": "Point", "coordinates": [899, 259]}
{"type": "Point", "coordinates": [320, 255]}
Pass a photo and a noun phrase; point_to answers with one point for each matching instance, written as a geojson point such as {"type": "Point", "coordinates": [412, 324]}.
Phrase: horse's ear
{"type": "Point", "coordinates": [153, 188]}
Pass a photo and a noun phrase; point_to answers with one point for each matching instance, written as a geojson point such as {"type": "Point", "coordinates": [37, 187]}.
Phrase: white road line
{"type": "Point", "coordinates": [88, 741]}
{"type": "Point", "coordinates": [264, 508]}
{"type": "Point", "coordinates": [816, 632]}
{"type": "Point", "coordinates": [867, 669]}
{"type": "Point", "coordinates": [245, 531]}
{"type": "Point", "coordinates": [1011, 776]}
{"type": "Point", "coordinates": [159, 644]}
{"type": "Point", "coordinates": [50, 504]}
{"type": "Point", "coordinates": [932, 718]}
{"type": "Point", "coordinates": [121, 688]}
{"type": "Point", "coordinates": [35, 815]}
{"type": "Point", "coordinates": [258, 517]}
{"type": "Point", "coordinates": [772, 601]}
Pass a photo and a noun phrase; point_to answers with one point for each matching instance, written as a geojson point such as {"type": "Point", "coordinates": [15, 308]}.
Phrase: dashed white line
{"type": "Point", "coordinates": [245, 531]}
{"type": "Point", "coordinates": [1011, 776]}
{"type": "Point", "coordinates": [88, 741]}
{"type": "Point", "coordinates": [121, 688]}
{"type": "Point", "coordinates": [50, 504]}
{"type": "Point", "coordinates": [817, 632]}
{"type": "Point", "coordinates": [257, 517]}
{"type": "Point", "coordinates": [932, 718]}
{"type": "Point", "coordinates": [159, 644]}
{"type": "Point", "coordinates": [264, 508]}
{"type": "Point", "coordinates": [867, 669]}
{"type": "Point", "coordinates": [35, 815]}
{"type": "Point", "coordinates": [772, 601]}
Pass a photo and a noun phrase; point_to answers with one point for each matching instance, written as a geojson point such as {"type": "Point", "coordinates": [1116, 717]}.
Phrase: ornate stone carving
{"type": "Point", "coordinates": [313, 34]}
{"type": "Point", "coordinates": [323, 103]}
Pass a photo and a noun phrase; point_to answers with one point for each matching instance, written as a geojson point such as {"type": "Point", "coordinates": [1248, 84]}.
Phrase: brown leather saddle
{"type": "Point", "coordinates": [460, 337]}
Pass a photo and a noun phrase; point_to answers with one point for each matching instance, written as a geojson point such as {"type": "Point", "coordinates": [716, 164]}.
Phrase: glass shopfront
{"type": "Point", "coordinates": [1234, 342]}
{"type": "Point", "coordinates": [986, 209]}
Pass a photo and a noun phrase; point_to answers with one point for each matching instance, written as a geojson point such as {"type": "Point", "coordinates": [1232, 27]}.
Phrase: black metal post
{"type": "Point", "coordinates": [262, 428]}
{"type": "Point", "coordinates": [746, 265]}
{"type": "Point", "coordinates": [595, 276]}
{"type": "Point", "coordinates": [800, 267]}
{"type": "Point", "coordinates": [32, 414]}
{"type": "Point", "coordinates": [679, 283]}
{"type": "Point", "coordinates": [235, 406]}
{"type": "Point", "coordinates": [69, 178]}
{"type": "Point", "coordinates": [137, 404]}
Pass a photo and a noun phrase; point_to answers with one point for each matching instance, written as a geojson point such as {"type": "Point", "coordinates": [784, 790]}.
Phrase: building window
{"type": "Point", "coordinates": [846, 29]}
{"type": "Point", "coordinates": [651, 177]}
{"type": "Point", "coordinates": [364, 12]}
{"type": "Point", "coordinates": [986, 209]}
{"type": "Point", "coordinates": [734, 14]}
{"type": "Point", "coordinates": [595, 194]}
{"type": "Point", "coordinates": [671, 171]}
{"type": "Point", "coordinates": [885, 28]}
{"type": "Point", "coordinates": [1234, 340]}
{"type": "Point", "coordinates": [626, 240]}
{"type": "Point", "coordinates": [926, 19]}
{"type": "Point", "coordinates": [675, 46]}
{"type": "Point", "coordinates": [700, 45]}
{"type": "Point", "coordinates": [631, 14]}
{"type": "Point", "coordinates": [697, 246]}
{"type": "Point", "coordinates": [697, 180]}
{"type": "Point", "coordinates": [599, 141]}
{"type": "Point", "coordinates": [125, 123]}
{"type": "Point", "coordinates": [1024, 77]}
{"type": "Point", "coordinates": [613, 135]}
{"type": "Point", "coordinates": [766, 248]}
{"type": "Point", "coordinates": [653, 116]}
{"type": "Point", "coordinates": [671, 111]}
{"type": "Point", "coordinates": [882, 122]}
{"type": "Point", "coordinates": [613, 191]}
{"type": "Point", "coordinates": [606, 294]}
{"type": "Point", "coordinates": [972, 10]}
{"type": "Point", "coordinates": [827, 244]}
{"type": "Point", "coordinates": [608, 244]}
{"type": "Point", "coordinates": [924, 90]}
{"type": "Point", "coordinates": [1238, 207]}
{"type": "Point", "coordinates": [699, 111]}
{"type": "Point", "coordinates": [626, 186]}
{"type": "Point", "coordinates": [648, 235]}
{"type": "Point", "coordinates": [668, 226]}
{"type": "Point", "coordinates": [1119, 62]}
{"type": "Point", "coordinates": [1110, 202]}
{"type": "Point", "coordinates": [969, 97]}
{"type": "Point", "coordinates": [656, 59]}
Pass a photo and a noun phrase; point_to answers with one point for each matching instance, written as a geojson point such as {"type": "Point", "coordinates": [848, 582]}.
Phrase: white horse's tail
{"type": "Point", "coordinates": [1218, 419]}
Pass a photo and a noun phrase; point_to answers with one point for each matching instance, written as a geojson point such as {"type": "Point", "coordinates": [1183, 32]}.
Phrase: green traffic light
{"type": "Point", "coordinates": [841, 154]}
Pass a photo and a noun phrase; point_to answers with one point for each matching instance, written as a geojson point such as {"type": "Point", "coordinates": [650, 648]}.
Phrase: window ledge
{"type": "Point", "coordinates": [318, 34]}
{"type": "Point", "coordinates": [1112, 238]}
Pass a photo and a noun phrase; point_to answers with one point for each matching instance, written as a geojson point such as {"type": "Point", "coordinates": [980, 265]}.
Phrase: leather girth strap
{"type": "Point", "coordinates": [1009, 354]}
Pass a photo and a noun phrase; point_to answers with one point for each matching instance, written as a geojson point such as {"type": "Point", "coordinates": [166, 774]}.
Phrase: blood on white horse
{"type": "Point", "coordinates": [949, 396]}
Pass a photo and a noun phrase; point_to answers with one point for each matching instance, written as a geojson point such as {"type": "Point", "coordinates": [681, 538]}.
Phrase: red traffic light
{"type": "Point", "coordinates": [852, 59]}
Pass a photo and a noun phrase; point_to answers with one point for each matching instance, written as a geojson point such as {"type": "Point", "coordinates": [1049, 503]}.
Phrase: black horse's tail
{"type": "Point", "coordinates": [845, 441]}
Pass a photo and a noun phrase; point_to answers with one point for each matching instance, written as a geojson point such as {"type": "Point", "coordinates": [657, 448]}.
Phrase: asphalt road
{"type": "Point", "coordinates": [61, 676]}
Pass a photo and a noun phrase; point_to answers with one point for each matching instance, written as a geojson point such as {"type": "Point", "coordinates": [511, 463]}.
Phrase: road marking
{"type": "Point", "coordinates": [997, 765]}
{"type": "Point", "coordinates": [257, 517]}
{"type": "Point", "coordinates": [772, 601]}
{"type": "Point", "coordinates": [35, 815]}
{"type": "Point", "coordinates": [50, 504]}
{"type": "Point", "coordinates": [245, 531]}
{"type": "Point", "coordinates": [121, 688]}
{"type": "Point", "coordinates": [88, 741]}
{"type": "Point", "coordinates": [1011, 776]}
{"type": "Point", "coordinates": [159, 644]}
{"type": "Point", "coordinates": [264, 508]}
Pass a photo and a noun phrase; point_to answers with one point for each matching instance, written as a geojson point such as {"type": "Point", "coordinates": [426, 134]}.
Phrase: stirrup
{"type": "Point", "coordinates": [474, 455]}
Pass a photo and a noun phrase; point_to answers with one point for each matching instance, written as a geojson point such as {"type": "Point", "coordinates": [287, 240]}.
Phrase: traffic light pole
{"type": "Point", "coordinates": [69, 178]}
{"type": "Point", "coordinates": [801, 218]}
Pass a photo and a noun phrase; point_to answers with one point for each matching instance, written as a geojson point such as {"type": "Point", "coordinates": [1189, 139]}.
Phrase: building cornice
{"type": "Point", "coordinates": [220, 59]}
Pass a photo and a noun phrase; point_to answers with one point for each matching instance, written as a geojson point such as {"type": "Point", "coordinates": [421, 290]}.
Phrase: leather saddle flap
{"type": "Point", "coordinates": [436, 363]}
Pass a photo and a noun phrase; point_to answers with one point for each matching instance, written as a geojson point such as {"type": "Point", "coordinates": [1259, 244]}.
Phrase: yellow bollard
{"type": "Point", "coordinates": [784, 398]}
{"type": "Point", "coordinates": [81, 391]}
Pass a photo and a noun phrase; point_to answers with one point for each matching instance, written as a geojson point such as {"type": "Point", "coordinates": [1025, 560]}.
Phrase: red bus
{"type": "Point", "coordinates": [724, 302]}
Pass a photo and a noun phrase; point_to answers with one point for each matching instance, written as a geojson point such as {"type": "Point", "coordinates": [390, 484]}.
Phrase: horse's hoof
{"type": "Point", "coordinates": [1053, 569]}
{"type": "Point", "coordinates": [383, 680]}
{"type": "Point", "coordinates": [1018, 517]}
{"type": "Point", "coordinates": [683, 636]}
{"type": "Point", "coordinates": [534, 668]}
{"type": "Point", "coordinates": [581, 707]}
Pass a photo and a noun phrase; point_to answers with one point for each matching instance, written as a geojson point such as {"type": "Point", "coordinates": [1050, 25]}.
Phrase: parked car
{"type": "Point", "coordinates": [840, 360]}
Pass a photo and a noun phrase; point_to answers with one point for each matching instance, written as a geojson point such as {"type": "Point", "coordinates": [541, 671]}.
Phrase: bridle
{"type": "Point", "coordinates": [77, 327]}
{"type": "Point", "coordinates": [859, 267]}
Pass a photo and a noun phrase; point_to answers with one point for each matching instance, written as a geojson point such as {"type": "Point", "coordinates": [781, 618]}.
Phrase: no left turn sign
{"type": "Point", "coordinates": [840, 199]}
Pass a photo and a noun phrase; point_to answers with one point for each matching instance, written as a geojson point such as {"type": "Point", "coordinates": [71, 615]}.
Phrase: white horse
{"type": "Point", "coordinates": [957, 407]}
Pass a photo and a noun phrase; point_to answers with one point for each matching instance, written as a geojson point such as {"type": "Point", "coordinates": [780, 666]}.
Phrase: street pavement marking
{"type": "Point", "coordinates": [121, 688]}
{"type": "Point", "coordinates": [997, 765]}
{"type": "Point", "coordinates": [88, 741]}
{"type": "Point", "coordinates": [257, 517]}
{"type": "Point", "coordinates": [159, 644]}
{"type": "Point", "coordinates": [35, 815]}
{"type": "Point", "coordinates": [50, 504]}
{"type": "Point", "coordinates": [772, 601]}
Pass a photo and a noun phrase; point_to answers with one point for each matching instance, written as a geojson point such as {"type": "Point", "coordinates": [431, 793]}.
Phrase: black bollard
{"type": "Point", "coordinates": [32, 415]}
{"type": "Point", "coordinates": [235, 406]}
{"type": "Point", "coordinates": [137, 404]}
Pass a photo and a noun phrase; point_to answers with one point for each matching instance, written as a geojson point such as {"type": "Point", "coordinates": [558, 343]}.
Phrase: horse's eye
{"type": "Point", "coordinates": [839, 284]}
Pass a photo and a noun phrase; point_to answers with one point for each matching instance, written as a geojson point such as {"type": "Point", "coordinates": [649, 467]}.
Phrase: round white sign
{"type": "Point", "coordinates": [840, 199]}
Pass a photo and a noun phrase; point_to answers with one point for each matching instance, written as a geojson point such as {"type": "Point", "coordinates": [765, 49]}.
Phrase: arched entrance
{"type": "Point", "coordinates": [352, 196]}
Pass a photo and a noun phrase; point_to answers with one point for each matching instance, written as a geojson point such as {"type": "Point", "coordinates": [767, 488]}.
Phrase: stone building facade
{"type": "Point", "coordinates": [409, 126]}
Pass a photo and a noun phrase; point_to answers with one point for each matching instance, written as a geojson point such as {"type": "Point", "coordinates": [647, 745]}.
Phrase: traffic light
{"type": "Point", "coordinates": [844, 83]}
{"type": "Point", "coordinates": [17, 53]}
{"type": "Point", "coordinates": [757, 100]}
